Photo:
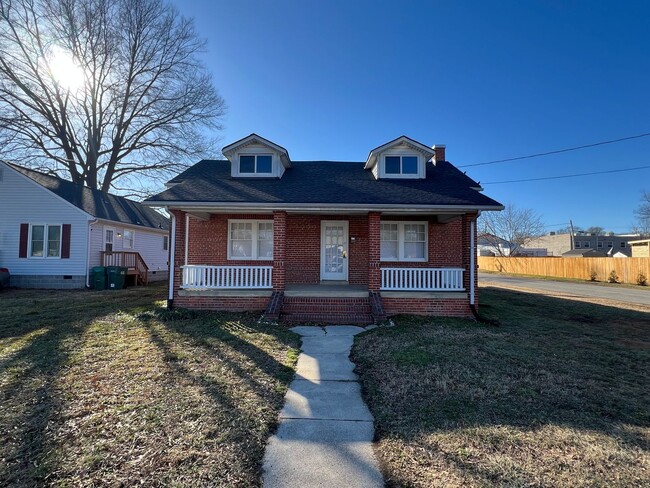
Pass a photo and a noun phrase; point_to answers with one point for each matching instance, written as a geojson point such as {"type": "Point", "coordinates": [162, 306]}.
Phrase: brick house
{"type": "Point", "coordinates": [324, 241]}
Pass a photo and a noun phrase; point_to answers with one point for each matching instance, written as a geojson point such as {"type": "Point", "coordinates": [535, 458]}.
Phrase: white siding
{"type": "Point", "coordinates": [148, 242]}
{"type": "Point", "coordinates": [96, 243]}
{"type": "Point", "coordinates": [24, 201]}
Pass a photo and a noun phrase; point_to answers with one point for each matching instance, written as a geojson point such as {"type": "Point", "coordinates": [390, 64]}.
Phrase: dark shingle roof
{"type": "Point", "coordinates": [324, 182]}
{"type": "Point", "coordinates": [96, 203]}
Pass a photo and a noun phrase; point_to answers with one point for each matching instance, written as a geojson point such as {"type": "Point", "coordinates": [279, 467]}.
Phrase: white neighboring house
{"type": "Point", "coordinates": [52, 231]}
{"type": "Point", "coordinates": [489, 245]}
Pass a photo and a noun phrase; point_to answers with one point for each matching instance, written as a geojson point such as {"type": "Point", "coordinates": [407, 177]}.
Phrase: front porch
{"type": "Point", "coordinates": [323, 267]}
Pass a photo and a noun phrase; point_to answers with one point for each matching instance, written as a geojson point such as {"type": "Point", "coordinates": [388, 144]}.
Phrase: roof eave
{"type": "Point", "coordinates": [249, 206]}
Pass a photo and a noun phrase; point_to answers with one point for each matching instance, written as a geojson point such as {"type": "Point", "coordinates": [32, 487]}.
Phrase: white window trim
{"type": "Point", "coordinates": [45, 242]}
{"type": "Point", "coordinates": [420, 173]}
{"type": "Point", "coordinates": [124, 231]}
{"type": "Point", "coordinates": [400, 241]}
{"type": "Point", "coordinates": [254, 173]}
{"type": "Point", "coordinates": [255, 238]}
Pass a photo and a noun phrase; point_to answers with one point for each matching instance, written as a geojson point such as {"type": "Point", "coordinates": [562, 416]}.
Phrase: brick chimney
{"type": "Point", "coordinates": [439, 150]}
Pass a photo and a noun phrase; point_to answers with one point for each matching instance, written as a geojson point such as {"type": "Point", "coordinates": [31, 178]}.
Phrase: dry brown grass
{"type": "Point", "coordinates": [558, 395]}
{"type": "Point", "coordinates": [111, 389]}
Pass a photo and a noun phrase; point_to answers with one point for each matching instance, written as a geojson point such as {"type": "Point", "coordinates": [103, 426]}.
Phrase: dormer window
{"type": "Point", "coordinates": [256, 157]}
{"type": "Point", "coordinates": [401, 165]}
{"type": "Point", "coordinates": [400, 158]}
{"type": "Point", "coordinates": [256, 164]}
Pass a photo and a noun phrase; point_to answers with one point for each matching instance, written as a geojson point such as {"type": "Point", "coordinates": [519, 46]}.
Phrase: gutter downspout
{"type": "Point", "coordinates": [90, 224]}
{"type": "Point", "coordinates": [172, 254]}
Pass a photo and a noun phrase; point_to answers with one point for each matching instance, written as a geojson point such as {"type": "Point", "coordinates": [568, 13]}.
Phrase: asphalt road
{"type": "Point", "coordinates": [591, 290]}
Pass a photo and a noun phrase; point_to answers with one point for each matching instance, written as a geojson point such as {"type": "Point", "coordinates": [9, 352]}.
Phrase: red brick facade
{"type": "Point", "coordinates": [296, 256]}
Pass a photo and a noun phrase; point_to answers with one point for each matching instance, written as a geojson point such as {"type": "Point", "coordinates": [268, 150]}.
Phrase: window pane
{"type": "Point", "coordinates": [265, 240]}
{"type": "Point", "coordinates": [247, 164]}
{"type": "Point", "coordinates": [263, 164]}
{"type": "Point", "coordinates": [414, 232]}
{"type": "Point", "coordinates": [392, 165]}
{"type": "Point", "coordinates": [38, 236]}
{"type": "Point", "coordinates": [241, 230]}
{"type": "Point", "coordinates": [414, 250]}
{"type": "Point", "coordinates": [241, 249]}
{"type": "Point", "coordinates": [265, 249]}
{"type": "Point", "coordinates": [409, 165]}
{"type": "Point", "coordinates": [389, 250]}
{"type": "Point", "coordinates": [53, 241]}
{"type": "Point", "coordinates": [128, 239]}
{"type": "Point", "coordinates": [38, 232]}
{"type": "Point", "coordinates": [388, 232]}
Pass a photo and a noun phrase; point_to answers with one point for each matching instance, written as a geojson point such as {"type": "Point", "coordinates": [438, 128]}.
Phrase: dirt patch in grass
{"type": "Point", "coordinates": [110, 388]}
{"type": "Point", "coordinates": [558, 395]}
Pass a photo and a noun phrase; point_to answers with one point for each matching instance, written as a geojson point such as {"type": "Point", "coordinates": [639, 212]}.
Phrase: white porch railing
{"type": "Point", "coordinates": [225, 277]}
{"type": "Point", "coordinates": [422, 279]}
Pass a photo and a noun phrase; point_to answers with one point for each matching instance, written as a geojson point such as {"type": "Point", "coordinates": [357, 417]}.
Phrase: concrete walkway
{"type": "Point", "coordinates": [325, 434]}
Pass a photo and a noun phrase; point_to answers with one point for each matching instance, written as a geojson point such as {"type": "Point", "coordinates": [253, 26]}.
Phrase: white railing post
{"type": "Point", "coordinates": [422, 279]}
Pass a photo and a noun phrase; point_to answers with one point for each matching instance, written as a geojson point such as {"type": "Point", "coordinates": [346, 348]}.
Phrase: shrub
{"type": "Point", "coordinates": [613, 277]}
{"type": "Point", "coordinates": [593, 275]}
{"type": "Point", "coordinates": [641, 280]}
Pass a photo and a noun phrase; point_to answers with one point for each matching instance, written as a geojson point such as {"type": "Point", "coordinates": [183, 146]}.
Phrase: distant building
{"type": "Point", "coordinates": [584, 253]}
{"type": "Point", "coordinates": [490, 245]}
{"type": "Point", "coordinates": [640, 248]}
{"type": "Point", "coordinates": [558, 244]}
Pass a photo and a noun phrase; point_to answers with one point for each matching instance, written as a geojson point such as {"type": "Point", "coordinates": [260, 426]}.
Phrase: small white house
{"type": "Point", "coordinates": [52, 231]}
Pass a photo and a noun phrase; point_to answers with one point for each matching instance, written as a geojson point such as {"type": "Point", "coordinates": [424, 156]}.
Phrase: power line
{"type": "Point", "coordinates": [568, 176]}
{"type": "Point", "coordinates": [558, 151]}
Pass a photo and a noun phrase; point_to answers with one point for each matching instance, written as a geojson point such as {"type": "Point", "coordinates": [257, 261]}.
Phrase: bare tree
{"type": "Point", "coordinates": [508, 230]}
{"type": "Point", "coordinates": [642, 214]}
{"type": "Point", "coordinates": [595, 230]}
{"type": "Point", "coordinates": [104, 92]}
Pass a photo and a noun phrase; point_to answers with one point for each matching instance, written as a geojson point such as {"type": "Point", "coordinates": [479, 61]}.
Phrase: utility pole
{"type": "Point", "coordinates": [572, 233]}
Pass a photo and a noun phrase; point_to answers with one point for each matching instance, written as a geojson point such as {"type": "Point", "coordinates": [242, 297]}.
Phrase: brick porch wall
{"type": "Point", "coordinates": [427, 306]}
{"type": "Point", "coordinates": [303, 248]}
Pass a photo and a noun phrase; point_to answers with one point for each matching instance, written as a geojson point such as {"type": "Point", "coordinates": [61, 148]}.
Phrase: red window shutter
{"type": "Point", "coordinates": [65, 242]}
{"type": "Point", "coordinates": [24, 236]}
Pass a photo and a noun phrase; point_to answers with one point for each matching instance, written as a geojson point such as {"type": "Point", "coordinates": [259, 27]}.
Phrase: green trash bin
{"type": "Point", "coordinates": [116, 277]}
{"type": "Point", "coordinates": [98, 277]}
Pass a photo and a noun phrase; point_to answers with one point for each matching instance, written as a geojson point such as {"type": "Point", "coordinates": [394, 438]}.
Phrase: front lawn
{"type": "Point", "coordinates": [558, 395]}
{"type": "Point", "coordinates": [111, 389]}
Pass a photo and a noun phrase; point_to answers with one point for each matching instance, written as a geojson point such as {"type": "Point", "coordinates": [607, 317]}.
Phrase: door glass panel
{"type": "Point", "coordinates": [334, 247]}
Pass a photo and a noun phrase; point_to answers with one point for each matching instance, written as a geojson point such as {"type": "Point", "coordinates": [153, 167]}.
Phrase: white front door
{"type": "Point", "coordinates": [334, 250]}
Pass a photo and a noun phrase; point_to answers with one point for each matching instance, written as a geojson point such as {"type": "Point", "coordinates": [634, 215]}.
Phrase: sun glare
{"type": "Point", "coordinates": [64, 70]}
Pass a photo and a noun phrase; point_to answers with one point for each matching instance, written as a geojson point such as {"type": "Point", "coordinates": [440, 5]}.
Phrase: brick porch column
{"type": "Point", "coordinates": [374, 243]}
{"type": "Point", "coordinates": [179, 249]}
{"type": "Point", "coordinates": [279, 249]}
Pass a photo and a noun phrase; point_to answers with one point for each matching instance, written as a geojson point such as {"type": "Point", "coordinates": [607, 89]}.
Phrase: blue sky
{"type": "Point", "coordinates": [332, 79]}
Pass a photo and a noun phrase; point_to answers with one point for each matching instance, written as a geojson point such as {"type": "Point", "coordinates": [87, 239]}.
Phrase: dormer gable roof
{"type": "Point", "coordinates": [231, 149]}
{"type": "Point", "coordinates": [425, 150]}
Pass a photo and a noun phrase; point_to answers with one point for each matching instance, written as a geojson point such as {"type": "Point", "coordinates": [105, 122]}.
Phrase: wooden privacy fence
{"type": "Point", "coordinates": [627, 269]}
